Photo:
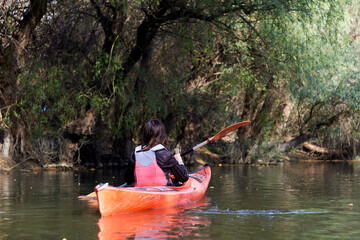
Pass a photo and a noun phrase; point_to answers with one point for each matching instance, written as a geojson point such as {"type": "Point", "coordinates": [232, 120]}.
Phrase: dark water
{"type": "Point", "coordinates": [292, 201]}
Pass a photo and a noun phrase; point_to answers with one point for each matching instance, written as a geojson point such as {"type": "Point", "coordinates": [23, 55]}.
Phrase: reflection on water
{"type": "Point", "coordinates": [155, 223]}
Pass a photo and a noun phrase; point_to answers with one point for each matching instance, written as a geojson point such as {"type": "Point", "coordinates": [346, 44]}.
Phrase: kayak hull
{"type": "Point", "coordinates": [115, 200]}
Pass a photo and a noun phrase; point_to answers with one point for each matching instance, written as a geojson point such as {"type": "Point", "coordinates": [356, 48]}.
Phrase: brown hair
{"type": "Point", "coordinates": [153, 133]}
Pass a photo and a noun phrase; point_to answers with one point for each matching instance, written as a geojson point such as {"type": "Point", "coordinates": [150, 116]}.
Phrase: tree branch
{"type": "Point", "coordinates": [28, 23]}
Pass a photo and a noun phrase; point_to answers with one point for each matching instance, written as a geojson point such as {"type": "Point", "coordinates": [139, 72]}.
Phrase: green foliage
{"type": "Point", "coordinates": [263, 152]}
{"type": "Point", "coordinates": [46, 100]}
{"type": "Point", "coordinates": [52, 96]}
{"type": "Point", "coordinates": [319, 58]}
{"type": "Point", "coordinates": [318, 51]}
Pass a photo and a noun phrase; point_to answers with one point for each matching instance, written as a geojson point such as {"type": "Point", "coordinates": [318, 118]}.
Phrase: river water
{"type": "Point", "coordinates": [289, 201]}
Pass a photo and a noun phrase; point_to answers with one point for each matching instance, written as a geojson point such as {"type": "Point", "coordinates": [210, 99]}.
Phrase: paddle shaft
{"type": "Point", "coordinates": [194, 148]}
{"type": "Point", "coordinates": [216, 137]}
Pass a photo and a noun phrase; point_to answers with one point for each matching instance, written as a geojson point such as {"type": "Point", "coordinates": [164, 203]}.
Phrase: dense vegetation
{"type": "Point", "coordinates": [79, 78]}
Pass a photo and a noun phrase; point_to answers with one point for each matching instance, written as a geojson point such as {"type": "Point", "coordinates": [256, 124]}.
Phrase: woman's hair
{"type": "Point", "coordinates": [153, 133]}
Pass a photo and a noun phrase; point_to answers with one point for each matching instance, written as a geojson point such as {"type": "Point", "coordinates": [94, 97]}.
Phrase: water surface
{"type": "Point", "coordinates": [290, 201]}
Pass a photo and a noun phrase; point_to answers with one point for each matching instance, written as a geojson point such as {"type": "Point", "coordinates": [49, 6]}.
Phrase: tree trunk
{"type": "Point", "coordinates": [11, 64]}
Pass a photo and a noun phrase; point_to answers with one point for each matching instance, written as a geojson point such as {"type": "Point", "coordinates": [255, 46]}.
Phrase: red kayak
{"type": "Point", "coordinates": [114, 200]}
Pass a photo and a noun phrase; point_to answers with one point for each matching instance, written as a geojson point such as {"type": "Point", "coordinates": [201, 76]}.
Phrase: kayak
{"type": "Point", "coordinates": [115, 200]}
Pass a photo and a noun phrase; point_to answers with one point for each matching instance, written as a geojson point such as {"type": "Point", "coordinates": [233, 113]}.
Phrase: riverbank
{"type": "Point", "coordinates": [201, 157]}
{"type": "Point", "coordinates": [5, 163]}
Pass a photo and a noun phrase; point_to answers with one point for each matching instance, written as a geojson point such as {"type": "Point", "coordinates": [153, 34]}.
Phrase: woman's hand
{"type": "Point", "coordinates": [178, 158]}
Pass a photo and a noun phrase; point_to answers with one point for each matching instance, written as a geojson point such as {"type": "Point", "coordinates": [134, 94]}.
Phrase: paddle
{"type": "Point", "coordinates": [217, 136]}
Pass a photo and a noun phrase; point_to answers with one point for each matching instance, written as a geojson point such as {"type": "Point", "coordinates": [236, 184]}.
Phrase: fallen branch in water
{"type": "Point", "coordinates": [11, 168]}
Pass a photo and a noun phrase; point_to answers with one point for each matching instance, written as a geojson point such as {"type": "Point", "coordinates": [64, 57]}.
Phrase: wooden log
{"type": "Point", "coordinates": [321, 150]}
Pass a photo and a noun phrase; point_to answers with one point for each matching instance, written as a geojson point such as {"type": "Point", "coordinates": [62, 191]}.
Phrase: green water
{"type": "Point", "coordinates": [290, 201]}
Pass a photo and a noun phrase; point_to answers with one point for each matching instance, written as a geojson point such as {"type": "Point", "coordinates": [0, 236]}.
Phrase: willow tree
{"type": "Point", "coordinates": [308, 84]}
{"type": "Point", "coordinates": [321, 69]}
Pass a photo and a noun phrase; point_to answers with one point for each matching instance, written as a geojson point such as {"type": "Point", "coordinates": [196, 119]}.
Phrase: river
{"type": "Point", "coordinates": [288, 201]}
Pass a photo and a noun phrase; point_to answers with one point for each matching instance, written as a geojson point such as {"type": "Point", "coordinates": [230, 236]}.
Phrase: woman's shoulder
{"type": "Point", "coordinates": [164, 152]}
{"type": "Point", "coordinates": [165, 158]}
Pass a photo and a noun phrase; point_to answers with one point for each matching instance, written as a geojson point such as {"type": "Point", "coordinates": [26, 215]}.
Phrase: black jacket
{"type": "Point", "coordinates": [166, 161]}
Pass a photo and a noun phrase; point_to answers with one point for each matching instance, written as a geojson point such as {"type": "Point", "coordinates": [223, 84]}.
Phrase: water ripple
{"type": "Point", "coordinates": [216, 210]}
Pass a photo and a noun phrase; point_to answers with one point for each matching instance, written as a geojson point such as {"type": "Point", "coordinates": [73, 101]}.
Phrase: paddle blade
{"type": "Point", "coordinates": [227, 130]}
{"type": "Point", "coordinates": [93, 194]}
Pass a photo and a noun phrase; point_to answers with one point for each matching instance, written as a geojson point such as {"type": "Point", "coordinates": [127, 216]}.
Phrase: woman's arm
{"type": "Point", "coordinates": [168, 163]}
{"type": "Point", "coordinates": [180, 172]}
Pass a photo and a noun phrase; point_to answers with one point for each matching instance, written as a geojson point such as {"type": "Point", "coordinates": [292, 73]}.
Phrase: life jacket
{"type": "Point", "coordinates": [147, 172]}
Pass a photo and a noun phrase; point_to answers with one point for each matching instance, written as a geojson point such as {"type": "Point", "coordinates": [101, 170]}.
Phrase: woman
{"type": "Point", "coordinates": [151, 164]}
